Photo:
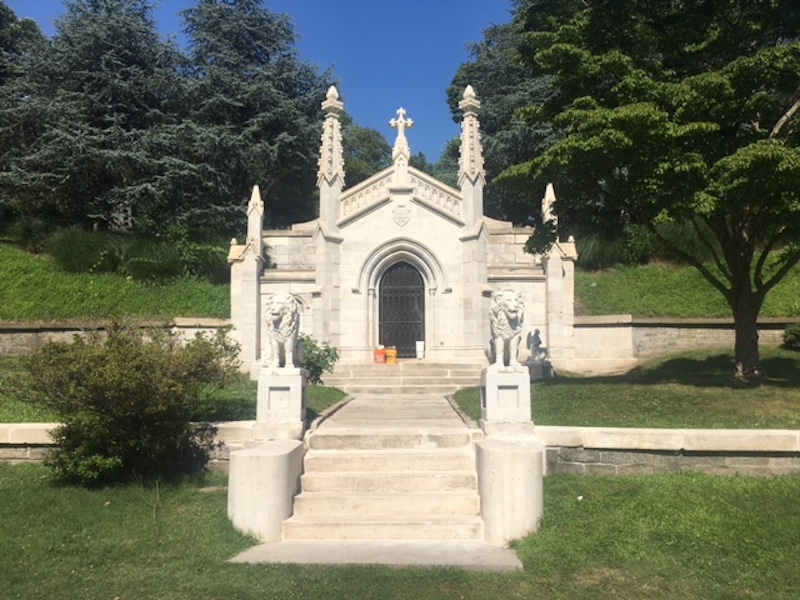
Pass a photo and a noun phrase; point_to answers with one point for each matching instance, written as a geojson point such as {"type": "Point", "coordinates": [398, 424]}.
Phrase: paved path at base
{"type": "Point", "coordinates": [473, 556]}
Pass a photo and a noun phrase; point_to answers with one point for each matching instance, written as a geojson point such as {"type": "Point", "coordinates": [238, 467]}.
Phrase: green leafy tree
{"type": "Point", "coordinates": [254, 115]}
{"type": "Point", "coordinates": [82, 116]}
{"type": "Point", "coordinates": [683, 114]}
{"type": "Point", "coordinates": [504, 86]}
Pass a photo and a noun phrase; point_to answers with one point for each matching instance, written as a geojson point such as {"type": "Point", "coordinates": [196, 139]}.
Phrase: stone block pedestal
{"type": "Point", "coordinates": [506, 394]}
{"type": "Point", "coordinates": [282, 401]}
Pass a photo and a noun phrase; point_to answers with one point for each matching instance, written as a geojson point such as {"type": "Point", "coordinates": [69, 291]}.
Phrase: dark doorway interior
{"type": "Point", "coordinates": [402, 309]}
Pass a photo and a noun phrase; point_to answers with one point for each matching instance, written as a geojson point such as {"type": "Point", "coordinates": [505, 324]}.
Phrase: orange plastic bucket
{"type": "Point", "coordinates": [391, 356]}
{"type": "Point", "coordinates": [379, 356]}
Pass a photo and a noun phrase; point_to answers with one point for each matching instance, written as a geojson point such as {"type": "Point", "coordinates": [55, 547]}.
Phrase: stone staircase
{"type": "Point", "coordinates": [408, 376]}
{"type": "Point", "coordinates": [390, 466]}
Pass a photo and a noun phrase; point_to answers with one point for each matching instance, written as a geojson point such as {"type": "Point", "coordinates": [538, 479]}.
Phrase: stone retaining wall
{"type": "Point", "coordinates": [582, 450]}
{"type": "Point", "coordinates": [614, 343]}
{"type": "Point", "coordinates": [23, 338]}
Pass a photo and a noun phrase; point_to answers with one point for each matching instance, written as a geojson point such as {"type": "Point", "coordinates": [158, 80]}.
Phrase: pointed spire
{"type": "Point", "coordinates": [255, 222]}
{"type": "Point", "coordinates": [471, 161]}
{"type": "Point", "coordinates": [331, 157]}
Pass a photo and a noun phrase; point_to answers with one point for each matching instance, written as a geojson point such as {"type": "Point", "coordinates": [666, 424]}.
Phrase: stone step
{"type": "Point", "coordinates": [391, 389]}
{"type": "Point", "coordinates": [321, 461]}
{"type": "Point", "coordinates": [382, 527]}
{"type": "Point", "coordinates": [363, 439]}
{"type": "Point", "coordinates": [388, 482]}
{"type": "Point", "coordinates": [399, 503]}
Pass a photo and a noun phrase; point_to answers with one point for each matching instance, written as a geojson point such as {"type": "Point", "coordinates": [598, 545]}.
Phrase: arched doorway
{"type": "Point", "coordinates": [401, 309]}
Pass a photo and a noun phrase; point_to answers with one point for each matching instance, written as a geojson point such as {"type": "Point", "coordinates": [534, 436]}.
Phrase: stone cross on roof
{"type": "Point", "coordinates": [401, 124]}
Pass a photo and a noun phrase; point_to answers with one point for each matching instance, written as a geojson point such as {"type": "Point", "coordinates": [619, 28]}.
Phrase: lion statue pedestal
{"type": "Point", "coordinates": [505, 383]}
{"type": "Point", "coordinates": [282, 386]}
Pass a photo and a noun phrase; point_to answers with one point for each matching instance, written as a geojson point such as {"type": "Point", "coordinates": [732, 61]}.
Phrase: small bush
{"type": "Point", "coordinates": [126, 401]}
{"type": "Point", "coordinates": [318, 359]}
{"type": "Point", "coordinates": [791, 337]}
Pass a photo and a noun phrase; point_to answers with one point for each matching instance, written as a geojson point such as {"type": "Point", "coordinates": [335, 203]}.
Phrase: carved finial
{"type": "Point", "coordinates": [547, 205]}
{"type": "Point", "coordinates": [470, 102]}
{"type": "Point", "coordinates": [332, 104]}
{"type": "Point", "coordinates": [401, 124]}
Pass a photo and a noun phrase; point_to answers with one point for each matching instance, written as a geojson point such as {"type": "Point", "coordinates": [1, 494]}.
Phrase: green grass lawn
{"type": "Point", "coordinates": [657, 537]}
{"type": "Point", "coordinates": [694, 389]}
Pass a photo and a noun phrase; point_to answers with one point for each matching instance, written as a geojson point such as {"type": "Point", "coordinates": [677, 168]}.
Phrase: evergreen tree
{"type": "Point", "coordinates": [83, 113]}
{"type": "Point", "coordinates": [254, 116]}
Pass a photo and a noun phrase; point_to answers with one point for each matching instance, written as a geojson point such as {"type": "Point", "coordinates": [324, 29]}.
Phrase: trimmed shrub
{"type": "Point", "coordinates": [126, 400]}
{"type": "Point", "coordinates": [318, 359]}
{"type": "Point", "coordinates": [791, 337]}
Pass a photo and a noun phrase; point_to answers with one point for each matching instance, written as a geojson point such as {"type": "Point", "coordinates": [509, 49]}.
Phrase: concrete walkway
{"type": "Point", "coordinates": [386, 430]}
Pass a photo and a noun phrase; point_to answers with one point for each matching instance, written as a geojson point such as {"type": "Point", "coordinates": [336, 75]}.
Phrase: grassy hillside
{"type": "Point", "coordinates": [664, 290]}
{"type": "Point", "coordinates": [32, 288]}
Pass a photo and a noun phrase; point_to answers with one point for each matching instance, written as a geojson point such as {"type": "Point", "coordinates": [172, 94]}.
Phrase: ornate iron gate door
{"type": "Point", "coordinates": [402, 309]}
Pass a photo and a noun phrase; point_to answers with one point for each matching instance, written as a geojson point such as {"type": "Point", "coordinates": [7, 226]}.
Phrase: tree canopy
{"type": "Point", "coordinates": [677, 115]}
{"type": "Point", "coordinates": [110, 125]}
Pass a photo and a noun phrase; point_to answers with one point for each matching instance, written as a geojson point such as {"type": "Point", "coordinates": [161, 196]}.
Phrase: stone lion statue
{"type": "Point", "coordinates": [505, 318]}
{"type": "Point", "coordinates": [283, 323]}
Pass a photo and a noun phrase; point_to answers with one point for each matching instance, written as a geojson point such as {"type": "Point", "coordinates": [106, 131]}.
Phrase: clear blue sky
{"type": "Point", "coordinates": [385, 54]}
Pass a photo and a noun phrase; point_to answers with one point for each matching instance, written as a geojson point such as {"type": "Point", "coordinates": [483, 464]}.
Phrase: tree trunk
{"type": "Point", "coordinates": [745, 317]}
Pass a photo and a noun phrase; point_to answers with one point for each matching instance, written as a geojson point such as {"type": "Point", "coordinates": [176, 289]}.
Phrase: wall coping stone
{"type": "Point", "coordinates": [692, 440]}
{"type": "Point", "coordinates": [628, 320]}
{"type": "Point", "coordinates": [620, 438]}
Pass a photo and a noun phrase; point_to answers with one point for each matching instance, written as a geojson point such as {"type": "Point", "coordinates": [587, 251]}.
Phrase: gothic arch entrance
{"type": "Point", "coordinates": [401, 308]}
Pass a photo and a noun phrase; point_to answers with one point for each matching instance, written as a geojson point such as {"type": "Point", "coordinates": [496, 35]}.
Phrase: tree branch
{"type": "Point", "coordinates": [762, 259]}
{"type": "Point", "coordinates": [787, 116]}
{"type": "Point", "coordinates": [707, 275]}
{"type": "Point", "coordinates": [717, 260]}
{"type": "Point", "coordinates": [791, 261]}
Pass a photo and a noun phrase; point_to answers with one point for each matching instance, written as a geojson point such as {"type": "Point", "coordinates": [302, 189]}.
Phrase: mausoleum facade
{"type": "Point", "coordinates": [401, 260]}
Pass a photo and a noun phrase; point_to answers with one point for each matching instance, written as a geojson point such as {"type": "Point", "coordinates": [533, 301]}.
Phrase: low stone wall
{"type": "Point", "coordinates": [581, 450]}
{"type": "Point", "coordinates": [613, 343]}
{"type": "Point", "coordinates": [23, 338]}
{"type": "Point", "coordinates": [629, 451]}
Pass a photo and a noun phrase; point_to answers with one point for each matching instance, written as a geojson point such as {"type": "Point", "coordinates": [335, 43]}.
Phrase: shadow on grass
{"type": "Point", "coordinates": [714, 371]}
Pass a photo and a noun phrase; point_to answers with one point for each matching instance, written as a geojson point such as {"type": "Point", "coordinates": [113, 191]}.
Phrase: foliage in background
{"type": "Point", "coordinates": [676, 114]}
{"type": "Point", "coordinates": [318, 359]}
{"type": "Point", "coordinates": [35, 289]}
{"type": "Point", "coordinates": [108, 125]}
{"type": "Point", "coordinates": [142, 259]}
{"type": "Point", "coordinates": [125, 400]}
{"type": "Point", "coordinates": [791, 337]}
{"type": "Point", "coordinates": [503, 87]}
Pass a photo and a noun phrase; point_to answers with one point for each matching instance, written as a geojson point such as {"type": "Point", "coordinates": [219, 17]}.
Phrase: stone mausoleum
{"type": "Point", "coordinates": [399, 259]}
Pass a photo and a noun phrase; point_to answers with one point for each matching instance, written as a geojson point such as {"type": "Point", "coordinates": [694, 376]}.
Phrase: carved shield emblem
{"type": "Point", "coordinates": [401, 214]}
